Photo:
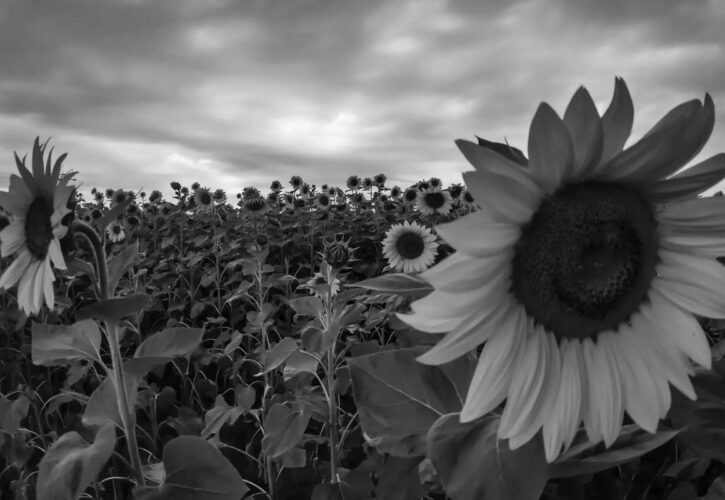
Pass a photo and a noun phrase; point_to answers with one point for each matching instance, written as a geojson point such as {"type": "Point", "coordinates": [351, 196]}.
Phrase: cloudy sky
{"type": "Point", "coordinates": [238, 93]}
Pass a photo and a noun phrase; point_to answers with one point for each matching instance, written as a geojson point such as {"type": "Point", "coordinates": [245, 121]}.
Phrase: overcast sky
{"type": "Point", "coordinates": [238, 93]}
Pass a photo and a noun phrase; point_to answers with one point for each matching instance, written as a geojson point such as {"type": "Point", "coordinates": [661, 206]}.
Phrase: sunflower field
{"type": "Point", "coordinates": [552, 329]}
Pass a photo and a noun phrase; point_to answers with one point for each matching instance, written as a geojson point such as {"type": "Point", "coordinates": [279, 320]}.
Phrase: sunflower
{"type": "Point", "coordinates": [410, 195]}
{"type": "Point", "coordinates": [296, 181]}
{"type": "Point", "coordinates": [589, 267]}
{"type": "Point", "coordinates": [322, 201]}
{"type": "Point", "coordinates": [38, 203]}
{"type": "Point", "coordinates": [409, 247]}
{"type": "Point", "coordinates": [219, 197]}
{"type": "Point", "coordinates": [115, 231]}
{"type": "Point", "coordinates": [118, 197]}
{"type": "Point", "coordinates": [433, 200]}
{"type": "Point", "coordinates": [254, 203]}
{"type": "Point", "coordinates": [379, 180]}
{"type": "Point", "coordinates": [353, 182]}
{"type": "Point", "coordinates": [203, 198]}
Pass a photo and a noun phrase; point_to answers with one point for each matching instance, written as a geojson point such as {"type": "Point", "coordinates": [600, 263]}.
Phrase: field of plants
{"type": "Point", "coordinates": [214, 345]}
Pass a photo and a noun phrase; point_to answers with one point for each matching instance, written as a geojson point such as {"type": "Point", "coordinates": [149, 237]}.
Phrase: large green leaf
{"type": "Point", "coordinates": [399, 399]}
{"type": "Point", "coordinates": [586, 458]}
{"type": "Point", "coordinates": [170, 343]}
{"type": "Point", "coordinates": [120, 263]}
{"type": "Point", "coordinates": [115, 309]}
{"type": "Point", "coordinates": [54, 345]}
{"type": "Point", "coordinates": [71, 464]}
{"type": "Point", "coordinates": [196, 470]}
{"type": "Point", "coordinates": [284, 427]}
{"type": "Point", "coordinates": [473, 463]}
{"type": "Point", "coordinates": [398, 283]}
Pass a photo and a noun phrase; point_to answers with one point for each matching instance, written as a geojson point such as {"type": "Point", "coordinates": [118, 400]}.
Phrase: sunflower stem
{"type": "Point", "coordinates": [128, 417]}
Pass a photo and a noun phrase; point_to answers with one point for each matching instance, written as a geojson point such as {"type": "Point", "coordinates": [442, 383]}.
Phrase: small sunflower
{"type": "Point", "coordinates": [322, 201]}
{"type": "Point", "coordinates": [219, 197]}
{"type": "Point", "coordinates": [176, 186]}
{"type": "Point", "coordinates": [367, 182]}
{"type": "Point", "coordinates": [433, 200]}
{"type": "Point", "coordinates": [582, 272]}
{"type": "Point", "coordinates": [254, 203]}
{"type": "Point", "coordinates": [109, 193]}
{"type": "Point", "coordinates": [316, 288]}
{"type": "Point", "coordinates": [353, 182]}
{"type": "Point", "coordinates": [434, 182]}
{"type": "Point", "coordinates": [115, 231]}
{"type": "Point", "coordinates": [410, 196]}
{"type": "Point", "coordinates": [98, 196]}
{"type": "Point", "coordinates": [118, 197]}
{"type": "Point", "coordinates": [38, 204]}
{"type": "Point", "coordinates": [296, 181]}
{"type": "Point", "coordinates": [379, 180]}
{"type": "Point", "coordinates": [203, 199]}
{"type": "Point", "coordinates": [409, 247]}
{"type": "Point", "coordinates": [395, 192]}
{"type": "Point", "coordinates": [275, 186]}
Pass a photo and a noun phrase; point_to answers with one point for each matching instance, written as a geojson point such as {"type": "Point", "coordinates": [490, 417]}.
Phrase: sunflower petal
{"type": "Point", "coordinates": [505, 198]}
{"type": "Point", "coordinates": [458, 342]}
{"type": "Point", "coordinates": [639, 388]}
{"type": "Point", "coordinates": [25, 288]}
{"type": "Point", "coordinates": [616, 122]}
{"type": "Point", "coordinates": [16, 270]}
{"type": "Point", "coordinates": [56, 255]}
{"type": "Point", "coordinates": [690, 182]}
{"type": "Point", "coordinates": [48, 285]}
{"type": "Point", "coordinates": [526, 390]}
{"type": "Point", "coordinates": [693, 283]}
{"type": "Point", "coordinates": [12, 239]}
{"type": "Point", "coordinates": [27, 177]}
{"type": "Point", "coordinates": [609, 386]}
{"type": "Point", "coordinates": [498, 362]}
{"type": "Point", "coordinates": [487, 160]}
{"type": "Point", "coordinates": [551, 154]}
{"type": "Point", "coordinates": [679, 329]}
{"type": "Point", "coordinates": [585, 128]}
{"type": "Point", "coordinates": [671, 143]}
{"type": "Point", "coordinates": [590, 410]}
{"type": "Point", "coordinates": [477, 235]}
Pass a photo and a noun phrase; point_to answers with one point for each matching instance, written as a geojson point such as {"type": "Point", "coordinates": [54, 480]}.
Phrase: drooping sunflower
{"type": "Point", "coordinates": [409, 247]}
{"type": "Point", "coordinates": [582, 272]}
{"type": "Point", "coordinates": [37, 202]}
{"type": "Point", "coordinates": [433, 200]}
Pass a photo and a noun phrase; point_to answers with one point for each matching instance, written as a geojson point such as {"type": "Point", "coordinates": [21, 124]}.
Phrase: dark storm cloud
{"type": "Point", "coordinates": [238, 93]}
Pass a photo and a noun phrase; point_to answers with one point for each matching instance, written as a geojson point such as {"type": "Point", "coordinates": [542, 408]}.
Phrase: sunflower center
{"type": "Point", "coordinates": [410, 245]}
{"type": "Point", "coordinates": [38, 229]}
{"type": "Point", "coordinates": [434, 200]}
{"type": "Point", "coordinates": [585, 261]}
{"type": "Point", "coordinates": [205, 198]}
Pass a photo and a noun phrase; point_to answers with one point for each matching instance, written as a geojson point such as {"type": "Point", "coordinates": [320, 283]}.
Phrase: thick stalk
{"type": "Point", "coordinates": [128, 418]}
{"type": "Point", "coordinates": [332, 413]}
{"type": "Point", "coordinates": [268, 464]}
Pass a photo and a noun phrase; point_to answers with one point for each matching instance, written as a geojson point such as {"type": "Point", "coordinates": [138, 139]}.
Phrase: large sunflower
{"type": "Point", "coordinates": [37, 201]}
{"type": "Point", "coordinates": [582, 272]}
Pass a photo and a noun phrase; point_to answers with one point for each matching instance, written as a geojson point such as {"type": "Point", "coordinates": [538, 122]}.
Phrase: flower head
{"type": "Point", "coordinates": [38, 203]}
{"type": "Point", "coordinates": [322, 201]}
{"type": "Point", "coordinates": [434, 201]}
{"type": "Point", "coordinates": [203, 198]}
{"type": "Point", "coordinates": [115, 231]}
{"type": "Point", "coordinates": [582, 271]}
{"type": "Point", "coordinates": [296, 181]}
{"type": "Point", "coordinates": [353, 182]}
{"type": "Point", "coordinates": [410, 195]}
{"type": "Point", "coordinates": [409, 247]}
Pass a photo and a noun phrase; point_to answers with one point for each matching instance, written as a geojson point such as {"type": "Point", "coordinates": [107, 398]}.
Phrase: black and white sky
{"type": "Point", "coordinates": [233, 93]}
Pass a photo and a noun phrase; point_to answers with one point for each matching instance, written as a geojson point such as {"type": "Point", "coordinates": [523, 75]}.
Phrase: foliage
{"type": "Point", "coordinates": [216, 354]}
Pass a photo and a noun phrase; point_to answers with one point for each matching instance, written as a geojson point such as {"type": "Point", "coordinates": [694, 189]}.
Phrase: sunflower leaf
{"type": "Point", "coordinates": [473, 463]}
{"type": "Point", "coordinates": [71, 464]}
{"type": "Point", "coordinates": [120, 263]}
{"type": "Point", "coordinates": [115, 309]}
{"type": "Point", "coordinates": [55, 345]}
{"type": "Point", "coordinates": [196, 470]}
{"type": "Point", "coordinates": [113, 214]}
{"type": "Point", "coordinates": [399, 399]}
{"type": "Point", "coordinates": [398, 283]}
{"type": "Point", "coordinates": [627, 448]}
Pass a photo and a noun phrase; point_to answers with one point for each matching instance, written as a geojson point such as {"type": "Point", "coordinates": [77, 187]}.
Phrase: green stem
{"type": "Point", "coordinates": [332, 414]}
{"type": "Point", "coordinates": [128, 417]}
